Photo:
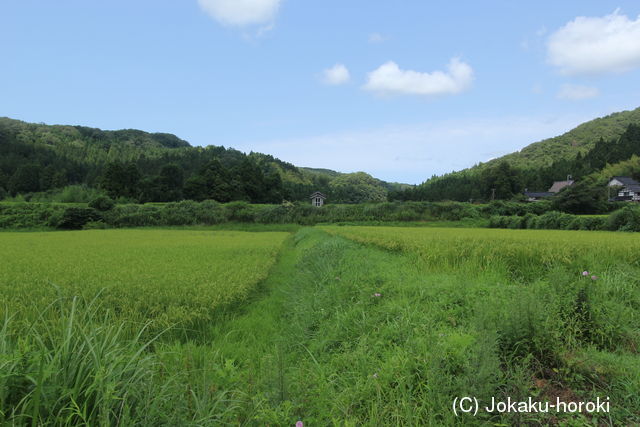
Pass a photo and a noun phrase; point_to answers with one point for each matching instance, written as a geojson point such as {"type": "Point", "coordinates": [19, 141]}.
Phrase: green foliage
{"type": "Point", "coordinates": [503, 214]}
{"type": "Point", "coordinates": [625, 219]}
{"type": "Point", "coordinates": [553, 220]}
{"type": "Point", "coordinates": [584, 197]}
{"type": "Point", "coordinates": [500, 207]}
{"type": "Point", "coordinates": [102, 203]}
{"type": "Point", "coordinates": [77, 363]}
{"type": "Point", "coordinates": [23, 215]}
{"type": "Point", "coordinates": [357, 187]}
{"type": "Point", "coordinates": [503, 181]}
{"type": "Point", "coordinates": [80, 369]}
{"type": "Point", "coordinates": [121, 180]}
{"type": "Point", "coordinates": [74, 218]}
{"type": "Point", "coordinates": [68, 194]}
{"type": "Point", "coordinates": [25, 179]}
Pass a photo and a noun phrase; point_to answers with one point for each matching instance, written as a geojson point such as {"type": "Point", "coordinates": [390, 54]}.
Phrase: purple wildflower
{"type": "Point", "coordinates": [585, 273]}
{"type": "Point", "coordinates": [594, 277]}
{"type": "Point", "coordinates": [377, 295]}
{"type": "Point", "coordinates": [299, 424]}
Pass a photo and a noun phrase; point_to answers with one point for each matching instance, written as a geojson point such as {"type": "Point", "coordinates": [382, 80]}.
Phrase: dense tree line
{"type": "Point", "coordinates": [144, 167]}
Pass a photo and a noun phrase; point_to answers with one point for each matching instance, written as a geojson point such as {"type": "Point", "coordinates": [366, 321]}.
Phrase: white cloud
{"type": "Point", "coordinates": [589, 45]}
{"type": "Point", "coordinates": [241, 12]}
{"type": "Point", "coordinates": [577, 92]}
{"type": "Point", "coordinates": [376, 38]}
{"type": "Point", "coordinates": [390, 79]}
{"type": "Point", "coordinates": [336, 75]}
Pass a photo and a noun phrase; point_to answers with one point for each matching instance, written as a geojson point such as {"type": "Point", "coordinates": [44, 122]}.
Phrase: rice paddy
{"type": "Point", "coordinates": [331, 325]}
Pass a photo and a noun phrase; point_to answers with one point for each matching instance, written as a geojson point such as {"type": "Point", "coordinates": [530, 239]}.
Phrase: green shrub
{"type": "Point", "coordinates": [102, 203]}
{"type": "Point", "coordinates": [68, 194]}
{"type": "Point", "coordinates": [625, 219]}
{"type": "Point", "coordinates": [134, 216]}
{"type": "Point", "coordinates": [594, 223]}
{"type": "Point", "coordinates": [273, 214]}
{"type": "Point", "coordinates": [240, 211]}
{"type": "Point", "coordinates": [503, 208]}
{"type": "Point", "coordinates": [210, 212]}
{"type": "Point", "coordinates": [75, 218]}
{"type": "Point", "coordinates": [553, 220]}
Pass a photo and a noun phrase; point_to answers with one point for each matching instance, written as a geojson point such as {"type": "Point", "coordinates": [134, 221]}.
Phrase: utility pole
{"type": "Point", "coordinates": [493, 194]}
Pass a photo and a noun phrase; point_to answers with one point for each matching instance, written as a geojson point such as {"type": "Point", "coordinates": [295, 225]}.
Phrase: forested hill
{"type": "Point", "coordinates": [567, 146]}
{"type": "Point", "coordinates": [90, 139]}
{"type": "Point", "coordinates": [591, 151]}
{"type": "Point", "coordinates": [158, 167]}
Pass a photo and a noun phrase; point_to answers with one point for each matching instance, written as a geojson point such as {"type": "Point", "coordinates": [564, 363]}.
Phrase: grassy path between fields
{"type": "Point", "coordinates": [348, 334]}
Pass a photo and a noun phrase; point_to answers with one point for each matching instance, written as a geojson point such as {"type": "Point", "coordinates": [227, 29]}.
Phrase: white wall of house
{"type": "Point", "coordinates": [625, 193]}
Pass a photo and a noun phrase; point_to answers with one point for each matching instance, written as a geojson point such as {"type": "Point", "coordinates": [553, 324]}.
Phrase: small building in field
{"type": "Point", "coordinates": [317, 199]}
{"type": "Point", "coordinates": [628, 189]}
{"type": "Point", "coordinates": [534, 196]}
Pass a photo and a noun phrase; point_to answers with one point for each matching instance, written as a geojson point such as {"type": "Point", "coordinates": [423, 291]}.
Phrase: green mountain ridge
{"type": "Point", "coordinates": [593, 151]}
{"type": "Point", "coordinates": [581, 139]}
{"type": "Point", "coordinates": [145, 166]}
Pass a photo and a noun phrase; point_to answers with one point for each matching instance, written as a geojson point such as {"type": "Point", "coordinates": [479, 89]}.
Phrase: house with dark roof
{"type": "Point", "coordinates": [628, 189]}
{"type": "Point", "coordinates": [534, 196]}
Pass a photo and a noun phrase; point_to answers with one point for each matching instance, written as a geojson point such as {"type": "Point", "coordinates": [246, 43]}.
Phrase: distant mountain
{"type": "Point", "coordinates": [567, 146]}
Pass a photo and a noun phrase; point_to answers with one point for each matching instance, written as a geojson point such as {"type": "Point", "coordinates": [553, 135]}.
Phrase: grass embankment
{"type": "Point", "coordinates": [346, 333]}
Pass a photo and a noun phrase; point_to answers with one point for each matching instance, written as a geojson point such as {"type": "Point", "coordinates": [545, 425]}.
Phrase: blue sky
{"type": "Point", "coordinates": [399, 89]}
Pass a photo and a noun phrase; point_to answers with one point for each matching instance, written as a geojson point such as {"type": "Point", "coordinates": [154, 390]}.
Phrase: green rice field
{"type": "Point", "coordinates": [167, 276]}
{"type": "Point", "coordinates": [327, 325]}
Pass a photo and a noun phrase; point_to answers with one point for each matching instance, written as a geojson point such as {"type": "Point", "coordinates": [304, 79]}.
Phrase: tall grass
{"type": "Point", "coordinates": [84, 366]}
{"type": "Point", "coordinates": [80, 368]}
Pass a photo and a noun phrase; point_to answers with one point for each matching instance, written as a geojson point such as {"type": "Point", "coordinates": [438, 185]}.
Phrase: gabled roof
{"type": "Point", "coordinates": [559, 185]}
{"type": "Point", "coordinates": [317, 194]}
{"type": "Point", "coordinates": [626, 181]}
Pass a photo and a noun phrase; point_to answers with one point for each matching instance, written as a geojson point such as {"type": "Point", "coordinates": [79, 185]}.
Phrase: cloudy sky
{"type": "Point", "coordinates": [400, 89]}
